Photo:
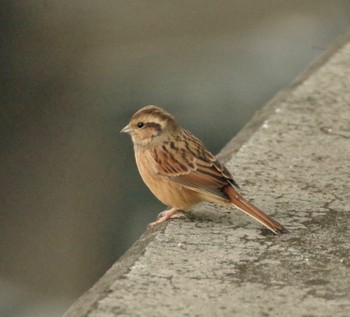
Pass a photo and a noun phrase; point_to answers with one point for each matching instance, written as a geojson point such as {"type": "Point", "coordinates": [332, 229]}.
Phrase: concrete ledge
{"type": "Point", "coordinates": [293, 161]}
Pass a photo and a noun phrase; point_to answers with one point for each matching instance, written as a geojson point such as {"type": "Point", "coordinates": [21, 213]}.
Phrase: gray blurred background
{"type": "Point", "coordinates": [72, 74]}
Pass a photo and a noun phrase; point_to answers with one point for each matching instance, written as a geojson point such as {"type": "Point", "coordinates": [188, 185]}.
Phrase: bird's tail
{"type": "Point", "coordinates": [248, 208]}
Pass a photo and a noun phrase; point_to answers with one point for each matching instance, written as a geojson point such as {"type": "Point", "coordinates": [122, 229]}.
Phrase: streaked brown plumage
{"type": "Point", "coordinates": [180, 171]}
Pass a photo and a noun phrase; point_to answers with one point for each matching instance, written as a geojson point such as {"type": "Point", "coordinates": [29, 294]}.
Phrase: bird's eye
{"type": "Point", "coordinates": [140, 124]}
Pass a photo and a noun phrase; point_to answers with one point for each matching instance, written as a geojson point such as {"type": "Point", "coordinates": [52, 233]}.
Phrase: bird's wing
{"type": "Point", "coordinates": [184, 160]}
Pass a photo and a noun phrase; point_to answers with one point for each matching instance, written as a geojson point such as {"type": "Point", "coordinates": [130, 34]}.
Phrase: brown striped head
{"type": "Point", "coordinates": [148, 124]}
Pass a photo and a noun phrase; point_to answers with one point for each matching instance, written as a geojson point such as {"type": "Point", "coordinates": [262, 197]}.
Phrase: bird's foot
{"type": "Point", "coordinates": [172, 213]}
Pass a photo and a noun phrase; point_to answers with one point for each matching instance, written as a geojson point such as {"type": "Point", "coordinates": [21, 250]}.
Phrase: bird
{"type": "Point", "coordinates": [179, 170]}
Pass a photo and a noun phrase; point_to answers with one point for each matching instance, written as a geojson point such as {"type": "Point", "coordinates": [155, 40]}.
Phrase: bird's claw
{"type": "Point", "coordinates": [166, 215]}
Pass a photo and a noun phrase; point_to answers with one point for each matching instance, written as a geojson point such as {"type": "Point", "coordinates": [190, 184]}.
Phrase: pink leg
{"type": "Point", "coordinates": [166, 215]}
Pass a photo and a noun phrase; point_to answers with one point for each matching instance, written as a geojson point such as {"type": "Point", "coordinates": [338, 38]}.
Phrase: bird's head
{"type": "Point", "coordinates": [148, 124]}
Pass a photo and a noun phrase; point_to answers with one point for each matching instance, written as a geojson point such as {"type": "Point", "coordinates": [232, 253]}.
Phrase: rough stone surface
{"type": "Point", "coordinates": [295, 165]}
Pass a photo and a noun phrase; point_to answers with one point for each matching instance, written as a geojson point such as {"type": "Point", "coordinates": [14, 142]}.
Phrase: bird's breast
{"type": "Point", "coordinates": [167, 191]}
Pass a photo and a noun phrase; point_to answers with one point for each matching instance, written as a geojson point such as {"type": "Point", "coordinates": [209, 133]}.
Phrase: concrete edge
{"type": "Point", "coordinates": [261, 115]}
{"type": "Point", "coordinates": [87, 302]}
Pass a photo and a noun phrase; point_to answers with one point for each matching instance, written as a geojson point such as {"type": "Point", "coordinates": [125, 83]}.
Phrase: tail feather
{"type": "Point", "coordinates": [252, 211]}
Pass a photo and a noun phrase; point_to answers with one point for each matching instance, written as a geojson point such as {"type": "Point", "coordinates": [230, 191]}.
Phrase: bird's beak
{"type": "Point", "coordinates": [126, 129]}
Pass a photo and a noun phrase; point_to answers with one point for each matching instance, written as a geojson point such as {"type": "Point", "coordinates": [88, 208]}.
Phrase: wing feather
{"type": "Point", "coordinates": [186, 162]}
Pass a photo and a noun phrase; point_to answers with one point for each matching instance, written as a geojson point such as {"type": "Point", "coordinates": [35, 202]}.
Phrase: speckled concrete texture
{"type": "Point", "coordinates": [295, 165]}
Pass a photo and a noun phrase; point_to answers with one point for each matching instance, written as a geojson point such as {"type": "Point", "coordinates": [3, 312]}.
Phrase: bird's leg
{"type": "Point", "coordinates": [166, 215]}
